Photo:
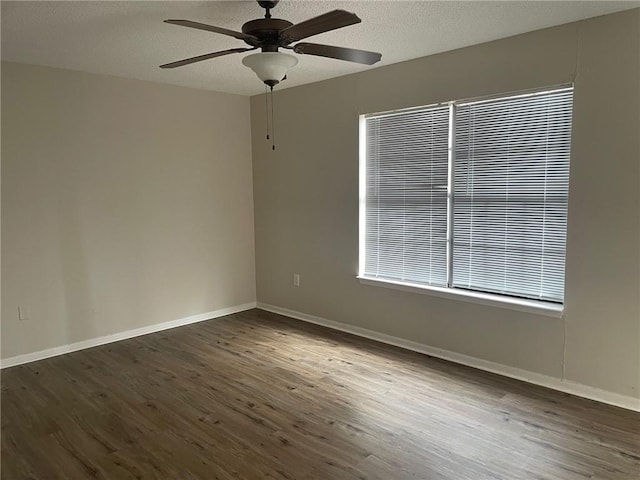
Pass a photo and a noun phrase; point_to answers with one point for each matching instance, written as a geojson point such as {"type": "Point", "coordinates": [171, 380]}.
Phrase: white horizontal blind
{"type": "Point", "coordinates": [511, 183]}
{"type": "Point", "coordinates": [406, 196]}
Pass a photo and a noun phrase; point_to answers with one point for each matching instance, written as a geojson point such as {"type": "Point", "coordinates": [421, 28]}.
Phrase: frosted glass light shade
{"type": "Point", "coordinates": [271, 67]}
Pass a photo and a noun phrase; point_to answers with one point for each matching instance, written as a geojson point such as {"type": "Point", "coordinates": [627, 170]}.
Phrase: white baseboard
{"type": "Point", "coordinates": [114, 337]}
{"type": "Point", "coordinates": [562, 385]}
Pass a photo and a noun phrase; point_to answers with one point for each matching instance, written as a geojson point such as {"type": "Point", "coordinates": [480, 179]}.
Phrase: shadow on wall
{"type": "Point", "coordinates": [79, 312]}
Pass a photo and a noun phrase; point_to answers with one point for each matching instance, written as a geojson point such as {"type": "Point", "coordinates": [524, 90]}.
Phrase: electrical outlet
{"type": "Point", "coordinates": [296, 279]}
{"type": "Point", "coordinates": [23, 313]}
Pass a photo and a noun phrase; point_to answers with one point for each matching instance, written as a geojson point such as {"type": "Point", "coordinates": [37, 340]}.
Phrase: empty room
{"type": "Point", "coordinates": [329, 240]}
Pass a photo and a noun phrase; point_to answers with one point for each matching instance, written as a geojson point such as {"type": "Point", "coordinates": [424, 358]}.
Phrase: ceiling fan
{"type": "Point", "coordinates": [270, 34]}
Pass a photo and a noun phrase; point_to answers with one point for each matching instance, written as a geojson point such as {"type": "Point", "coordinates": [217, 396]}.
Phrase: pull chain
{"type": "Point", "coordinates": [273, 125]}
{"type": "Point", "coordinates": [266, 109]}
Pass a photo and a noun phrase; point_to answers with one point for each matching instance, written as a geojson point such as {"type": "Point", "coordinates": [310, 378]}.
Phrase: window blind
{"type": "Point", "coordinates": [511, 179]}
{"type": "Point", "coordinates": [406, 196]}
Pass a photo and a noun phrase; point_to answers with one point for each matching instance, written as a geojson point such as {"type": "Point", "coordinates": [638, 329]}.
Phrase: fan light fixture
{"type": "Point", "coordinates": [270, 67]}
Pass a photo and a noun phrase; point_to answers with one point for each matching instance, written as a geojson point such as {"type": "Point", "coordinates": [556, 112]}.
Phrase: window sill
{"type": "Point", "coordinates": [522, 305]}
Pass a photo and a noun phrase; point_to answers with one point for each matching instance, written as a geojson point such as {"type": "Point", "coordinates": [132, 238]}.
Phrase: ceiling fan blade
{"type": "Point", "coordinates": [323, 23]}
{"type": "Point", "coordinates": [340, 53]}
{"type": "Point", "coordinates": [211, 28]}
{"type": "Point", "coordinates": [207, 56]}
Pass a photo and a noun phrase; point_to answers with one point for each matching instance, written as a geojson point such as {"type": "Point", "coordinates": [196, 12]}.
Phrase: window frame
{"type": "Point", "coordinates": [540, 307]}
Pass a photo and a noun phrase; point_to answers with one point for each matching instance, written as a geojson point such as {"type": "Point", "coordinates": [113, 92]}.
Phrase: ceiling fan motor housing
{"type": "Point", "coordinates": [267, 31]}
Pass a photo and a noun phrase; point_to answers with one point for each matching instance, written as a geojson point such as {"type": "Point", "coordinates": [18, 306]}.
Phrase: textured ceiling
{"type": "Point", "coordinates": [129, 38]}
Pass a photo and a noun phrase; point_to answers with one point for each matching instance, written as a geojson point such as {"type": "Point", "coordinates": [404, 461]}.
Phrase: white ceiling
{"type": "Point", "coordinates": [129, 38]}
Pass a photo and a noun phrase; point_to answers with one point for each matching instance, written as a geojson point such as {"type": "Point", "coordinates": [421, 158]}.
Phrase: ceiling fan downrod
{"type": "Point", "coordinates": [267, 5]}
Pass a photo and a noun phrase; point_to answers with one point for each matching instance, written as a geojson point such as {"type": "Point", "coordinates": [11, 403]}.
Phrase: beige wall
{"type": "Point", "coordinates": [306, 203]}
{"type": "Point", "coordinates": [124, 204]}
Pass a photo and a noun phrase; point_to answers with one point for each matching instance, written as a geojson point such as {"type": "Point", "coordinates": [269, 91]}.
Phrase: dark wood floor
{"type": "Point", "coordinates": [259, 396]}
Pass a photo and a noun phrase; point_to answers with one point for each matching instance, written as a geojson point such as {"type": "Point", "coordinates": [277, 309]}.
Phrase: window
{"type": "Point", "coordinates": [469, 196]}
